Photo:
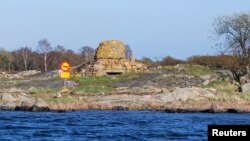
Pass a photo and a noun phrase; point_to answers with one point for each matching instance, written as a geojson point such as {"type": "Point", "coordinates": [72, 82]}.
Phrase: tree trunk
{"type": "Point", "coordinates": [248, 71]}
{"type": "Point", "coordinates": [9, 67]}
{"type": "Point", "coordinates": [45, 62]}
{"type": "Point", "coordinates": [25, 65]}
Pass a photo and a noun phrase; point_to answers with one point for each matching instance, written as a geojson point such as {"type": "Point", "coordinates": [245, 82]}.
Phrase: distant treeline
{"type": "Point", "coordinates": [47, 58]}
{"type": "Point", "coordinates": [213, 61]}
{"type": "Point", "coordinates": [44, 58]}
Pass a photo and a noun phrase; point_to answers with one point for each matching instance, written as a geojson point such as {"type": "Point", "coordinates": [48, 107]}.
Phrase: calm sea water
{"type": "Point", "coordinates": [110, 125]}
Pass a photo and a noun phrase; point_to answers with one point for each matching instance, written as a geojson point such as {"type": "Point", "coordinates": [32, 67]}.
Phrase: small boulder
{"type": "Point", "coordinates": [25, 103]}
{"type": "Point", "coordinates": [205, 77]}
{"type": "Point", "coordinates": [65, 91]}
{"type": "Point", "coordinates": [40, 105]}
{"type": "Point", "coordinates": [7, 97]}
{"type": "Point", "coordinates": [206, 82]}
{"type": "Point", "coordinates": [8, 105]}
{"type": "Point", "coordinates": [245, 87]}
{"type": "Point", "coordinates": [71, 83]}
{"type": "Point", "coordinates": [57, 95]}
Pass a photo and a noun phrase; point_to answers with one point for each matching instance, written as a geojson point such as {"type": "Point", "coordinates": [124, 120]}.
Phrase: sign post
{"type": "Point", "coordinates": [65, 72]}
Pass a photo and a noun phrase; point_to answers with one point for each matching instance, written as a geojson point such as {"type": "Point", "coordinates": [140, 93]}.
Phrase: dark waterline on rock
{"type": "Point", "coordinates": [111, 125]}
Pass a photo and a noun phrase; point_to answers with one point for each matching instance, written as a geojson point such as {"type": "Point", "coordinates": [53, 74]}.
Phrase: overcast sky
{"type": "Point", "coordinates": [152, 28]}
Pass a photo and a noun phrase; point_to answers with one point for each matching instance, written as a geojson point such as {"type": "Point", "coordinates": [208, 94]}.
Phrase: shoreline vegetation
{"type": "Point", "coordinates": [174, 89]}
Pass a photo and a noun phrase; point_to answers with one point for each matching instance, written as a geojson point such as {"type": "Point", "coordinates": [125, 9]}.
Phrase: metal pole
{"type": "Point", "coordinates": [64, 83]}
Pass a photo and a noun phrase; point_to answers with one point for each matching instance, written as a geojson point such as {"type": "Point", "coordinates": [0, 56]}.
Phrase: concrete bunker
{"type": "Point", "coordinates": [110, 59]}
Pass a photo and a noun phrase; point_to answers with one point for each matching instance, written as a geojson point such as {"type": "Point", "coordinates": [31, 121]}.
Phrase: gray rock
{"type": "Point", "coordinates": [29, 73]}
{"type": "Point", "coordinates": [57, 95]}
{"type": "Point", "coordinates": [9, 105]}
{"type": "Point", "coordinates": [206, 82]}
{"type": "Point", "coordinates": [206, 77]}
{"type": "Point", "coordinates": [25, 103]}
{"type": "Point", "coordinates": [245, 87]}
{"type": "Point", "coordinates": [224, 74]}
{"type": "Point", "coordinates": [165, 97]}
{"type": "Point", "coordinates": [70, 83]}
{"type": "Point", "coordinates": [29, 104]}
{"type": "Point", "coordinates": [185, 94]}
{"type": "Point", "coordinates": [192, 93]}
{"type": "Point", "coordinates": [40, 103]}
{"type": "Point", "coordinates": [7, 97]}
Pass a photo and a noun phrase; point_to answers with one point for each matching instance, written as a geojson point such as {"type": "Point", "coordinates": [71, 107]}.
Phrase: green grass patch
{"type": "Point", "coordinates": [222, 86]}
{"type": "Point", "coordinates": [128, 76]}
{"type": "Point", "coordinates": [43, 90]}
{"type": "Point", "coordinates": [198, 70]}
{"type": "Point", "coordinates": [245, 97]}
{"type": "Point", "coordinates": [102, 84]}
{"type": "Point", "coordinates": [8, 83]}
{"type": "Point", "coordinates": [93, 84]}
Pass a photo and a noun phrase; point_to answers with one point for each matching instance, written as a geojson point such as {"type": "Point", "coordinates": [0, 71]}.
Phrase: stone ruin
{"type": "Point", "coordinates": [110, 59]}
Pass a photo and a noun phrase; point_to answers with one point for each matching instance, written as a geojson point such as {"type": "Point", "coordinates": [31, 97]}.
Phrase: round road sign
{"type": "Point", "coordinates": [65, 66]}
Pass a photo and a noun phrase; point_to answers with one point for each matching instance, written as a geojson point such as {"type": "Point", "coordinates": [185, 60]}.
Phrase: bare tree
{"type": "Point", "coordinates": [58, 53]}
{"type": "Point", "coordinates": [45, 49]}
{"type": "Point", "coordinates": [25, 54]}
{"type": "Point", "coordinates": [234, 32]}
{"type": "Point", "coordinates": [88, 53]}
{"type": "Point", "coordinates": [128, 51]}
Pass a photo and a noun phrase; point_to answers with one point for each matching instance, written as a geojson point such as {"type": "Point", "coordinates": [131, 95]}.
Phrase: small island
{"type": "Point", "coordinates": [113, 81]}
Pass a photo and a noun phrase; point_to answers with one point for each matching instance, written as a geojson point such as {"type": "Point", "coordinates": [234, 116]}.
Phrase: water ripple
{"type": "Point", "coordinates": [111, 125]}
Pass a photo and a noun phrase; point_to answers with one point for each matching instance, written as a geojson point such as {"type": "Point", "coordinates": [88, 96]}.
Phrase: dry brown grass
{"type": "Point", "coordinates": [221, 105]}
{"type": "Point", "coordinates": [81, 106]}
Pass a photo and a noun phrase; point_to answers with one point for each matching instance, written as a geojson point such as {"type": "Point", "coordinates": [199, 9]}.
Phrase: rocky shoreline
{"type": "Point", "coordinates": [178, 89]}
{"type": "Point", "coordinates": [121, 108]}
{"type": "Point", "coordinates": [181, 100]}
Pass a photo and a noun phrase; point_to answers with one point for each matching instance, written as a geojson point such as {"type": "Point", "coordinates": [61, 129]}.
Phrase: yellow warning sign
{"type": "Point", "coordinates": [65, 74]}
{"type": "Point", "coordinates": [65, 66]}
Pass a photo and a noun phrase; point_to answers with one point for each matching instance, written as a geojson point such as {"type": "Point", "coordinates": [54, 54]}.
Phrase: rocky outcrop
{"type": "Point", "coordinates": [40, 105]}
{"type": "Point", "coordinates": [180, 94]}
{"type": "Point", "coordinates": [8, 105]}
{"type": "Point", "coordinates": [28, 73]}
{"type": "Point", "coordinates": [110, 59]}
{"type": "Point", "coordinates": [6, 97]}
{"type": "Point", "coordinates": [26, 103]}
{"type": "Point", "coordinates": [22, 103]}
{"type": "Point", "coordinates": [184, 94]}
{"type": "Point", "coordinates": [19, 74]}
